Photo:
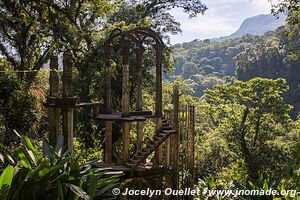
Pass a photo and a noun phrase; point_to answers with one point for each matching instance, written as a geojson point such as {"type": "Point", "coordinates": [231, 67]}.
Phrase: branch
{"type": "Point", "coordinates": [193, 7]}
{"type": "Point", "coordinates": [245, 150]}
{"type": "Point", "coordinates": [77, 12]}
{"type": "Point", "coordinates": [256, 131]}
{"type": "Point", "coordinates": [43, 59]}
{"type": "Point", "coordinates": [6, 33]}
{"type": "Point", "coordinates": [63, 12]}
{"type": "Point", "coordinates": [8, 57]}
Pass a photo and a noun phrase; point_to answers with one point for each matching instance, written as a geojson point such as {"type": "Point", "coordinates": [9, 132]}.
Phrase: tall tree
{"type": "Point", "coordinates": [292, 9]}
{"type": "Point", "coordinates": [156, 12]}
{"type": "Point", "coordinates": [251, 115]}
{"type": "Point", "coordinates": [31, 30]}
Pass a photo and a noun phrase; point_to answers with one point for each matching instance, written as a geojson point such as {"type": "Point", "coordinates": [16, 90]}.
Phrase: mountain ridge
{"type": "Point", "coordinates": [258, 25]}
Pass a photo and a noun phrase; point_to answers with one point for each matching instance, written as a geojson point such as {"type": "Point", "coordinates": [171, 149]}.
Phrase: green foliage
{"type": "Point", "coordinates": [87, 154]}
{"type": "Point", "coordinates": [214, 54]}
{"type": "Point", "coordinates": [53, 174]}
{"type": "Point", "coordinates": [5, 181]}
{"type": "Point", "coordinates": [211, 183]}
{"type": "Point", "coordinates": [291, 8]}
{"type": "Point", "coordinates": [273, 58]}
{"type": "Point", "coordinates": [246, 122]}
{"type": "Point", "coordinates": [89, 77]}
{"type": "Point", "coordinates": [17, 109]}
{"type": "Point", "coordinates": [185, 89]}
{"type": "Point", "coordinates": [212, 154]}
{"type": "Point", "coordinates": [189, 68]}
{"type": "Point", "coordinates": [214, 60]}
{"type": "Point", "coordinates": [243, 128]}
{"type": "Point", "coordinates": [32, 30]}
{"type": "Point", "coordinates": [156, 12]}
{"type": "Point", "coordinates": [261, 95]}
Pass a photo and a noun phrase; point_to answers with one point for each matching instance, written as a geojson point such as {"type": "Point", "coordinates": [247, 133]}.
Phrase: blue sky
{"type": "Point", "coordinates": [222, 18]}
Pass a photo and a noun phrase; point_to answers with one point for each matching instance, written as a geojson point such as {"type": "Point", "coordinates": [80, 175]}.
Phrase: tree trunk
{"type": "Point", "coordinates": [249, 161]}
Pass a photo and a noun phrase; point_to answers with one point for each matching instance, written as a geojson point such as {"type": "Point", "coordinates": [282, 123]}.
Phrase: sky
{"type": "Point", "coordinates": [222, 18]}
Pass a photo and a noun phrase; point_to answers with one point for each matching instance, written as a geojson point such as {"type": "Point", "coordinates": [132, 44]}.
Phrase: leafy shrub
{"type": "Point", "coordinates": [17, 109]}
{"type": "Point", "coordinates": [52, 174]}
{"type": "Point", "coordinates": [86, 154]}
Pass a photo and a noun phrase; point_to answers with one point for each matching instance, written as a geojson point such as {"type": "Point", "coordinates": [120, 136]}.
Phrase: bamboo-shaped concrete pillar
{"type": "Point", "coordinates": [158, 98]}
{"type": "Point", "coordinates": [67, 111]}
{"type": "Point", "coordinates": [175, 140]}
{"type": "Point", "coordinates": [139, 101]}
{"type": "Point", "coordinates": [190, 146]}
{"type": "Point", "coordinates": [168, 150]}
{"type": "Point", "coordinates": [125, 100]}
{"type": "Point", "coordinates": [54, 115]}
{"type": "Point", "coordinates": [108, 99]}
{"type": "Point", "coordinates": [158, 89]}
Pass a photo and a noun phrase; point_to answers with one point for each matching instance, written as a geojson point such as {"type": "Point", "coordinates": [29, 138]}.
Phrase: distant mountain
{"type": "Point", "coordinates": [258, 25]}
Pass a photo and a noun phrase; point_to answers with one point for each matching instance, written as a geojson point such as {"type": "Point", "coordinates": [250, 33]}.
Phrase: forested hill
{"type": "Point", "coordinates": [209, 63]}
{"type": "Point", "coordinates": [206, 63]}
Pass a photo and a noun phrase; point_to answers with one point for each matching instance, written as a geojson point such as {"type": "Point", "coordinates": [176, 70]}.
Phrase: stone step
{"type": "Point", "coordinates": [140, 153]}
{"type": "Point", "coordinates": [165, 124]}
{"type": "Point", "coordinates": [158, 139]}
{"type": "Point", "coordinates": [130, 164]}
{"type": "Point", "coordinates": [163, 135]}
{"type": "Point", "coordinates": [150, 146]}
{"type": "Point", "coordinates": [138, 157]}
{"type": "Point", "coordinates": [153, 142]}
{"type": "Point", "coordinates": [167, 128]}
{"type": "Point", "coordinates": [169, 131]}
{"type": "Point", "coordinates": [146, 150]}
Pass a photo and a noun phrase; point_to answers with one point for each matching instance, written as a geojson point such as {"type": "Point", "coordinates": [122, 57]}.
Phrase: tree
{"type": "Point", "coordinates": [286, 6]}
{"type": "Point", "coordinates": [252, 115]}
{"type": "Point", "coordinates": [204, 61]}
{"type": "Point", "coordinates": [17, 109]}
{"type": "Point", "coordinates": [179, 62]}
{"type": "Point", "coordinates": [292, 9]}
{"type": "Point", "coordinates": [186, 92]}
{"type": "Point", "coordinates": [207, 69]}
{"type": "Point", "coordinates": [189, 69]}
{"type": "Point", "coordinates": [219, 55]}
{"type": "Point", "coordinates": [272, 58]}
{"type": "Point", "coordinates": [32, 30]}
{"type": "Point", "coordinates": [156, 13]}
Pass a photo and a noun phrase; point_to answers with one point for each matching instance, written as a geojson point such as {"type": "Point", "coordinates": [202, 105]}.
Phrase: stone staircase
{"type": "Point", "coordinates": [151, 146]}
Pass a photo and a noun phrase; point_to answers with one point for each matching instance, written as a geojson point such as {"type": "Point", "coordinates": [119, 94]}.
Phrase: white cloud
{"type": "Point", "coordinates": [208, 26]}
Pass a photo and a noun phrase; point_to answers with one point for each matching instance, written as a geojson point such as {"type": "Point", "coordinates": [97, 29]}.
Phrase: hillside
{"type": "Point", "coordinates": [212, 61]}
{"type": "Point", "coordinates": [258, 25]}
{"type": "Point", "coordinates": [209, 63]}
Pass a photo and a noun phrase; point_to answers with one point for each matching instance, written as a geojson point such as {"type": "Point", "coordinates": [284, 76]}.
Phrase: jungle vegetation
{"type": "Point", "coordinates": [245, 90]}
